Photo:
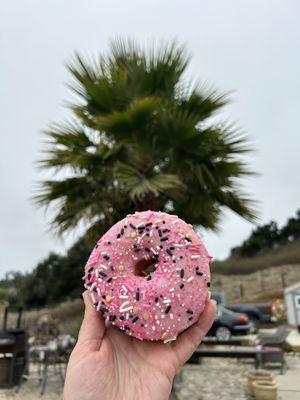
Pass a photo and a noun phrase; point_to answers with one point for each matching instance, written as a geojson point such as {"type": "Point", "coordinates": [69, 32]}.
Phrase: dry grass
{"type": "Point", "coordinates": [282, 255]}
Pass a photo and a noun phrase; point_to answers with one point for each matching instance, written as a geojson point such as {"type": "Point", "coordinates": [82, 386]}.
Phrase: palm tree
{"type": "Point", "coordinates": [142, 137]}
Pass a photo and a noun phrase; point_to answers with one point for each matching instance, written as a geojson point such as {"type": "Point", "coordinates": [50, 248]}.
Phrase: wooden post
{"type": "Point", "coordinates": [283, 281]}
{"type": "Point", "coordinates": [242, 290]}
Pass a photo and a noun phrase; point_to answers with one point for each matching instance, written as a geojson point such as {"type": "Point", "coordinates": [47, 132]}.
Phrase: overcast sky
{"type": "Point", "coordinates": [249, 46]}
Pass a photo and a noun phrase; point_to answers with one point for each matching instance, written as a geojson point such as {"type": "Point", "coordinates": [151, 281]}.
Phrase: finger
{"type": "Point", "coordinates": [188, 341]}
{"type": "Point", "coordinates": [92, 328]}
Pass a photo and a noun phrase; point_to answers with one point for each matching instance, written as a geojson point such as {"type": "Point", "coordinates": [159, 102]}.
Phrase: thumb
{"type": "Point", "coordinates": [92, 328]}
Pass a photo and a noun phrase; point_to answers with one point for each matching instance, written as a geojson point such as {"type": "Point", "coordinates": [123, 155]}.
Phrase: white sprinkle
{"type": "Point", "coordinates": [140, 224]}
{"type": "Point", "coordinates": [126, 309]}
{"type": "Point", "coordinates": [103, 266]}
{"type": "Point", "coordinates": [127, 316]}
{"type": "Point", "coordinates": [190, 279]}
{"type": "Point", "coordinates": [153, 251]}
{"type": "Point", "coordinates": [157, 221]}
{"type": "Point", "coordinates": [170, 340]}
{"type": "Point", "coordinates": [171, 290]}
{"type": "Point", "coordinates": [177, 245]}
{"type": "Point", "coordinates": [153, 328]}
{"type": "Point", "coordinates": [103, 253]}
{"type": "Point", "coordinates": [167, 301]}
{"type": "Point", "coordinates": [98, 306]}
{"type": "Point", "coordinates": [124, 288]}
{"type": "Point", "coordinates": [93, 298]}
{"type": "Point", "coordinates": [98, 292]}
{"type": "Point", "coordinates": [123, 297]}
{"type": "Point", "coordinates": [193, 257]}
{"type": "Point", "coordinates": [124, 304]}
{"type": "Point", "coordinates": [171, 316]}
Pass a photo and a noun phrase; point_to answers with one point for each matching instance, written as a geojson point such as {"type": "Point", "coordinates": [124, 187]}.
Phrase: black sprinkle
{"type": "Point", "coordinates": [172, 248]}
{"type": "Point", "coordinates": [188, 239]}
{"type": "Point", "coordinates": [169, 252]}
{"type": "Point", "coordinates": [208, 284]}
{"type": "Point", "coordinates": [96, 303]}
{"type": "Point", "coordinates": [160, 233]}
{"type": "Point", "coordinates": [161, 246]}
{"type": "Point", "coordinates": [181, 273]}
{"type": "Point", "coordinates": [132, 226]}
{"type": "Point", "coordinates": [109, 279]}
{"type": "Point", "coordinates": [112, 318]}
{"type": "Point", "coordinates": [122, 318]}
{"type": "Point", "coordinates": [103, 296]}
{"type": "Point", "coordinates": [190, 318]}
{"type": "Point", "coordinates": [167, 309]}
{"type": "Point", "coordinates": [103, 310]}
{"type": "Point", "coordinates": [149, 224]}
{"type": "Point", "coordinates": [102, 273]}
{"type": "Point", "coordinates": [197, 268]}
{"type": "Point", "coordinates": [122, 231]}
{"type": "Point", "coordinates": [90, 269]}
{"type": "Point", "coordinates": [137, 295]}
{"type": "Point", "coordinates": [108, 242]}
{"type": "Point", "coordinates": [135, 319]}
{"type": "Point", "coordinates": [166, 230]}
{"type": "Point", "coordinates": [164, 222]}
{"type": "Point", "coordinates": [199, 273]}
{"type": "Point", "coordinates": [118, 236]}
{"type": "Point", "coordinates": [96, 247]}
{"type": "Point", "coordinates": [126, 328]}
{"type": "Point", "coordinates": [181, 286]}
{"type": "Point", "coordinates": [106, 257]}
{"type": "Point", "coordinates": [189, 311]}
{"type": "Point", "coordinates": [164, 239]}
{"type": "Point", "coordinates": [181, 257]}
{"type": "Point", "coordinates": [142, 325]}
{"type": "Point", "coordinates": [149, 278]}
{"type": "Point", "coordinates": [89, 277]}
{"type": "Point", "coordinates": [95, 290]}
{"type": "Point", "coordinates": [141, 228]}
{"type": "Point", "coordinates": [156, 299]}
{"type": "Point", "coordinates": [147, 249]}
{"type": "Point", "coordinates": [148, 234]}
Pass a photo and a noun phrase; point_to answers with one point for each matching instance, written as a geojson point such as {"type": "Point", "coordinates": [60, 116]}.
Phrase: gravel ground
{"type": "Point", "coordinates": [221, 379]}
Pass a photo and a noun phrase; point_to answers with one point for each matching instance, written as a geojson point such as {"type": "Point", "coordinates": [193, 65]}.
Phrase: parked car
{"type": "Point", "coordinates": [228, 323]}
{"type": "Point", "coordinates": [256, 312]}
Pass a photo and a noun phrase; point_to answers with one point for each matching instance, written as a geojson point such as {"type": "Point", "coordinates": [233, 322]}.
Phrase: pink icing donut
{"type": "Point", "coordinates": [149, 275]}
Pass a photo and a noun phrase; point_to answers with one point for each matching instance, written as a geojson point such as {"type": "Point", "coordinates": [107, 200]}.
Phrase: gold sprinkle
{"type": "Point", "coordinates": [129, 215]}
{"type": "Point", "coordinates": [135, 310]}
{"type": "Point", "coordinates": [145, 316]}
{"type": "Point", "coordinates": [133, 234]}
{"type": "Point", "coordinates": [188, 235]}
{"type": "Point", "coordinates": [181, 231]}
{"type": "Point", "coordinates": [164, 335]}
{"type": "Point", "coordinates": [121, 267]}
{"type": "Point", "coordinates": [190, 225]}
{"type": "Point", "coordinates": [108, 298]}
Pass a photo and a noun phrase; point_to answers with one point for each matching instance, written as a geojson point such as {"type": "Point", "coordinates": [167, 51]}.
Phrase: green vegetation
{"type": "Point", "coordinates": [142, 138]}
{"type": "Point", "coordinates": [267, 246]}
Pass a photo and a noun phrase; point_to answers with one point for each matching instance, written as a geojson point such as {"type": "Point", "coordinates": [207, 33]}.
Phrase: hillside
{"type": "Point", "coordinates": [287, 254]}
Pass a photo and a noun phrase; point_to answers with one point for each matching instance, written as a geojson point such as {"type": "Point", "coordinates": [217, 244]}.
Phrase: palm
{"type": "Point", "coordinates": [116, 366]}
{"type": "Point", "coordinates": [142, 139]}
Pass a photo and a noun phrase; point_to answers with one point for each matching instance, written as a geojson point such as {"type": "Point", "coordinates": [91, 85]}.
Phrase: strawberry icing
{"type": "Point", "coordinates": [149, 275]}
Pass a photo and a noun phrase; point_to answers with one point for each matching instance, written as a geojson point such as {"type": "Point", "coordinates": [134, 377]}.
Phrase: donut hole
{"type": "Point", "coordinates": [145, 267]}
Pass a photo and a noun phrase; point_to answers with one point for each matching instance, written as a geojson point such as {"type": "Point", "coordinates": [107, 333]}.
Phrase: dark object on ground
{"type": "Point", "coordinates": [257, 312]}
{"type": "Point", "coordinates": [259, 355]}
{"type": "Point", "coordinates": [213, 341]}
{"type": "Point", "coordinates": [276, 339]}
{"type": "Point", "coordinates": [13, 350]}
{"type": "Point", "coordinates": [228, 323]}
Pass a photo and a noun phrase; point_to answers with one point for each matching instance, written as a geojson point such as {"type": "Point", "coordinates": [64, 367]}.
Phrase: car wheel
{"type": "Point", "coordinates": [254, 323]}
{"type": "Point", "coordinates": [223, 333]}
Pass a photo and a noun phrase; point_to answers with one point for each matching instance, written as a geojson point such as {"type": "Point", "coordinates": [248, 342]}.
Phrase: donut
{"type": "Point", "coordinates": [149, 275]}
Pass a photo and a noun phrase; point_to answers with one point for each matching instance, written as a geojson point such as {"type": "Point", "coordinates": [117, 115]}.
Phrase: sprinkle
{"type": "Point", "coordinates": [170, 339]}
{"type": "Point", "coordinates": [181, 273]}
{"type": "Point", "coordinates": [156, 299]}
{"type": "Point", "coordinates": [147, 249]}
{"type": "Point", "coordinates": [178, 245]}
{"type": "Point", "coordinates": [109, 279]}
{"type": "Point", "coordinates": [135, 319]}
{"type": "Point", "coordinates": [122, 231]}
{"type": "Point", "coordinates": [149, 224]}
{"type": "Point", "coordinates": [124, 304]}
{"type": "Point", "coordinates": [181, 286]}
{"type": "Point", "coordinates": [135, 310]}
{"type": "Point", "coordinates": [112, 318]}
{"type": "Point", "coordinates": [108, 298]}
{"type": "Point", "coordinates": [199, 273]}
{"type": "Point", "coordinates": [167, 301]}
{"type": "Point", "coordinates": [167, 309]}
{"type": "Point", "coordinates": [106, 257]}
{"type": "Point", "coordinates": [133, 234]}
{"type": "Point", "coordinates": [171, 316]}
{"type": "Point", "coordinates": [190, 318]}
{"type": "Point", "coordinates": [153, 251]}
{"type": "Point", "coordinates": [123, 297]}
{"type": "Point", "coordinates": [132, 226]}
{"type": "Point", "coordinates": [164, 239]}
{"type": "Point", "coordinates": [124, 288]}
{"type": "Point", "coordinates": [169, 252]}
{"type": "Point", "coordinates": [137, 295]}
{"type": "Point", "coordinates": [160, 233]}
{"type": "Point", "coordinates": [157, 221]}
{"type": "Point", "coordinates": [103, 266]}
{"type": "Point", "coordinates": [103, 310]}
{"type": "Point", "coordinates": [102, 273]}
{"type": "Point", "coordinates": [189, 311]}
{"type": "Point", "coordinates": [141, 225]}
{"type": "Point", "coordinates": [125, 309]}
{"type": "Point", "coordinates": [181, 231]}
{"type": "Point", "coordinates": [145, 316]}
{"type": "Point", "coordinates": [188, 239]}
{"type": "Point", "coordinates": [188, 235]}
{"type": "Point", "coordinates": [164, 335]}
{"type": "Point", "coordinates": [194, 256]}
{"type": "Point", "coordinates": [166, 230]}
{"type": "Point", "coordinates": [121, 267]}
{"type": "Point", "coordinates": [190, 279]}
{"type": "Point", "coordinates": [149, 278]}
{"type": "Point", "coordinates": [208, 284]}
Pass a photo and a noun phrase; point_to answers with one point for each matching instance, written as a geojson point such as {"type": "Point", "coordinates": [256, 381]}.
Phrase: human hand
{"type": "Point", "coordinates": [107, 364]}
